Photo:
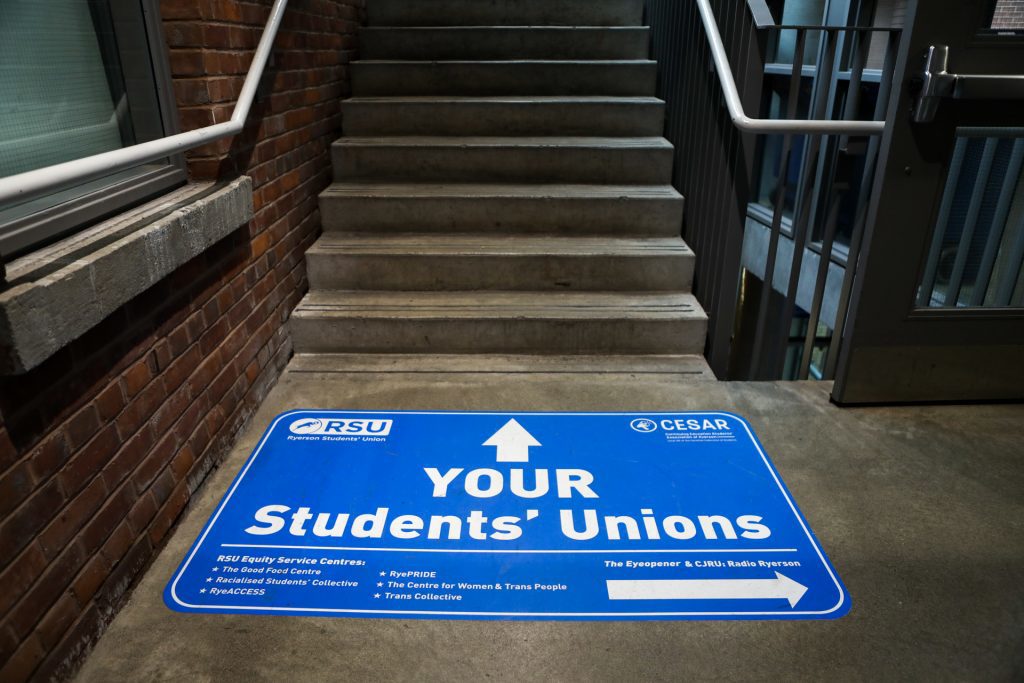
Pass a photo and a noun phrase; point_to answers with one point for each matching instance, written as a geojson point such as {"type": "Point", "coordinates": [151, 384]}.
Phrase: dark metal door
{"type": "Point", "coordinates": [938, 304]}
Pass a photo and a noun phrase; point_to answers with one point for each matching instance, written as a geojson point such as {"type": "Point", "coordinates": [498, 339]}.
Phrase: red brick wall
{"type": "Point", "coordinates": [102, 447]}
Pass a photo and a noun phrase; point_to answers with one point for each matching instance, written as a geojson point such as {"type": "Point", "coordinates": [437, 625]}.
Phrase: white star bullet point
{"type": "Point", "coordinates": [376, 595]}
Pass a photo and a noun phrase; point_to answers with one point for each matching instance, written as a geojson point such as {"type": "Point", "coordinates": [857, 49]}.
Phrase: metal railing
{"type": "Point", "coordinates": [31, 184]}
{"type": "Point", "coordinates": [732, 96]}
{"type": "Point", "coordinates": [819, 123]}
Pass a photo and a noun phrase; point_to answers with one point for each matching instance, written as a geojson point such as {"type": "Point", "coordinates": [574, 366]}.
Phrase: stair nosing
{"type": "Point", "coordinates": [559, 305]}
{"type": "Point", "coordinates": [564, 62]}
{"type": "Point", "coordinates": [504, 99]}
{"type": "Point", "coordinates": [500, 190]}
{"type": "Point", "coordinates": [455, 245]}
{"type": "Point", "coordinates": [513, 27]}
{"type": "Point", "coordinates": [647, 142]}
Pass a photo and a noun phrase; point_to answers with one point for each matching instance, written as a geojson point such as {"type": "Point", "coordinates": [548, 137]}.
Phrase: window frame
{"type": "Point", "coordinates": [50, 223]}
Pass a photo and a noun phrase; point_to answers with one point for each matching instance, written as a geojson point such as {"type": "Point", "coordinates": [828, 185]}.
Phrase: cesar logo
{"type": "Point", "coordinates": [313, 426]}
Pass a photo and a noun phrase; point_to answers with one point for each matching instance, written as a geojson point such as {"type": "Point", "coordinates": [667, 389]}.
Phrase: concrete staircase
{"type": "Point", "coordinates": [503, 188]}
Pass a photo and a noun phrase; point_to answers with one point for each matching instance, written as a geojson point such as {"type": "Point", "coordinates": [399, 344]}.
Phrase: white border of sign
{"type": "Point", "coordinates": [311, 610]}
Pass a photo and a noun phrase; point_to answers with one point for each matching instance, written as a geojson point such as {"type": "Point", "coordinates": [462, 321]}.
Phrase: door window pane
{"type": "Point", "coordinates": [977, 249]}
{"type": "Point", "coordinates": [1008, 15]}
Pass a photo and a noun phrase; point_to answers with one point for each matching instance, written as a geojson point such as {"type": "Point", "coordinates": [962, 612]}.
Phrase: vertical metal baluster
{"type": "Point", "coordinates": [956, 163]}
{"type": "Point", "coordinates": [998, 228]}
{"type": "Point", "coordinates": [863, 204]}
{"type": "Point", "coordinates": [801, 223]}
{"type": "Point", "coordinates": [1015, 262]}
{"type": "Point", "coordinates": [861, 46]}
{"type": "Point", "coordinates": [780, 204]}
{"type": "Point", "coordinates": [971, 222]}
{"type": "Point", "coordinates": [859, 51]}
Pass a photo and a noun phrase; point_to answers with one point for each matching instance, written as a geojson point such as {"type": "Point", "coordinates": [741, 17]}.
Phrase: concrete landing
{"type": "Point", "coordinates": [920, 509]}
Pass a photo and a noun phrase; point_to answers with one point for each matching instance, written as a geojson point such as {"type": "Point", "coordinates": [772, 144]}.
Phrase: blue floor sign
{"type": "Point", "coordinates": [509, 516]}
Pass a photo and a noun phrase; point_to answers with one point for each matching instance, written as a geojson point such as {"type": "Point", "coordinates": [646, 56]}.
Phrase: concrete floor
{"type": "Point", "coordinates": [921, 510]}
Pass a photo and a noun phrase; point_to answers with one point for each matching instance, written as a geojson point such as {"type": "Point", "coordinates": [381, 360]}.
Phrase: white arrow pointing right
{"type": "Point", "coordinates": [709, 589]}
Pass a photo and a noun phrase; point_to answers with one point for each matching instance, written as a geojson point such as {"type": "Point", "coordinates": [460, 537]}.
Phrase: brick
{"type": "Point", "coordinates": [128, 458]}
{"type": "Point", "coordinates": [181, 369]}
{"type": "Point", "coordinates": [203, 375]}
{"type": "Point", "coordinates": [191, 92]}
{"type": "Point", "coordinates": [46, 591]}
{"type": "Point", "coordinates": [117, 544]}
{"type": "Point", "coordinates": [184, 33]}
{"type": "Point", "coordinates": [195, 325]}
{"type": "Point", "coordinates": [171, 410]}
{"type": "Point", "coordinates": [156, 460]}
{"type": "Point", "coordinates": [180, 9]}
{"type": "Point", "coordinates": [181, 463]}
{"type": "Point", "coordinates": [25, 660]}
{"type": "Point", "coordinates": [72, 518]}
{"type": "Point", "coordinates": [202, 436]}
{"type": "Point", "coordinates": [223, 382]}
{"type": "Point", "coordinates": [213, 337]}
{"type": "Point", "coordinates": [110, 402]}
{"type": "Point", "coordinates": [15, 485]}
{"type": "Point", "coordinates": [21, 526]}
{"type": "Point", "coordinates": [8, 451]}
{"type": "Point", "coordinates": [67, 655]}
{"type": "Point", "coordinates": [190, 419]}
{"type": "Point", "coordinates": [81, 427]}
{"type": "Point", "coordinates": [137, 377]}
{"type": "Point", "coordinates": [162, 353]}
{"type": "Point", "coordinates": [168, 514]}
{"type": "Point", "coordinates": [187, 62]}
{"type": "Point", "coordinates": [141, 409]}
{"type": "Point", "coordinates": [100, 527]}
{"type": "Point", "coordinates": [19, 575]}
{"type": "Point", "coordinates": [58, 620]}
{"type": "Point", "coordinates": [178, 341]}
{"type": "Point", "coordinates": [90, 460]}
{"type": "Point", "coordinates": [88, 581]}
{"type": "Point", "coordinates": [8, 643]}
{"type": "Point", "coordinates": [142, 513]}
{"type": "Point", "coordinates": [124, 573]}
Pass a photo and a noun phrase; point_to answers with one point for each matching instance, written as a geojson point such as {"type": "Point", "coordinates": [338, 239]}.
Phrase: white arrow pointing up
{"type": "Point", "coordinates": [513, 442]}
{"type": "Point", "coordinates": [709, 589]}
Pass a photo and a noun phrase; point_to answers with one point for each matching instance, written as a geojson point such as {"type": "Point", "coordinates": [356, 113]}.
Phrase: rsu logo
{"type": "Point", "coordinates": [318, 426]}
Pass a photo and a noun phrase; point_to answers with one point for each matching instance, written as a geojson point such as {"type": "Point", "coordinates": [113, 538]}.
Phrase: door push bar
{"type": "Point", "coordinates": [938, 84]}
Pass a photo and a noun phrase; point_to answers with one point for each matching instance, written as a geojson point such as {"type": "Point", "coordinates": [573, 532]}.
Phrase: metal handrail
{"type": "Point", "coordinates": [24, 186]}
{"type": "Point", "coordinates": [752, 125]}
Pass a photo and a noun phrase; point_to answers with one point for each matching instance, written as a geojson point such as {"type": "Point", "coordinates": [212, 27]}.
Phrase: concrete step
{"type": "Point", "coordinates": [624, 210]}
{"type": "Point", "coordinates": [504, 42]}
{"type": "Point", "coordinates": [580, 116]}
{"type": "Point", "coordinates": [684, 367]}
{"type": "Point", "coordinates": [646, 161]}
{"type": "Point", "coordinates": [498, 322]}
{"type": "Point", "coordinates": [417, 262]}
{"type": "Point", "coordinates": [504, 12]}
{"type": "Point", "coordinates": [531, 77]}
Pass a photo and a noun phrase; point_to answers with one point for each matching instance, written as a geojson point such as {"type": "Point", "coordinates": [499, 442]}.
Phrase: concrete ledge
{"type": "Point", "coordinates": [57, 294]}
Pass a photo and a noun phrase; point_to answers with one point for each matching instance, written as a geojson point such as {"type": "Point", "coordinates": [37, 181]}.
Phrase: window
{"type": "Point", "coordinates": [77, 78]}
{"type": "Point", "coordinates": [1008, 16]}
